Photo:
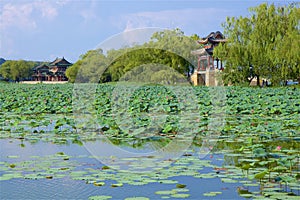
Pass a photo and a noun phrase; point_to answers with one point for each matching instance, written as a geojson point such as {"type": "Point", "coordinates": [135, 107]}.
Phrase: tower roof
{"type": "Point", "coordinates": [41, 66]}
{"type": "Point", "coordinates": [62, 61]}
{"type": "Point", "coordinates": [213, 37]}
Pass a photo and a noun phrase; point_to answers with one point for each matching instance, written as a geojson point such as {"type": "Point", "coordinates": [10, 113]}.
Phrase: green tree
{"type": "Point", "coordinates": [179, 45]}
{"type": "Point", "coordinates": [268, 40]}
{"type": "Point", "coordinates": [17, 70]}
{"type": "Point", "coordinates": [170, 48]}
{"type": "Point", "coordinates": [154, 73]}
{"type": "Point", "coordinates": [88, 68]}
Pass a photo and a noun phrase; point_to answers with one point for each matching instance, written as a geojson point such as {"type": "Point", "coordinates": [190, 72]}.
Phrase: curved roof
{"type": "Point", "coordinates": [60, 61]}
{"type": "Point", "coordinates": [213, 37]}
{"type": "Point", "coordinates": [41, 66]}
{"type": "Point", "coordinates": [202, 51]}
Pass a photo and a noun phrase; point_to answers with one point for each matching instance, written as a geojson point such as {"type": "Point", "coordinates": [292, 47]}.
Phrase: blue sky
{"type": "Point", "coordinates": [44, 30]}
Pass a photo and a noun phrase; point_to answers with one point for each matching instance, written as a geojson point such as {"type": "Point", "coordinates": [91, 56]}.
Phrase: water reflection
{"type": "Point", "coordinates": [44, 158]}
{"type": "Point", "coordinates": [246, 148]}
{"type": "Point", "coordinates": [222, 168]}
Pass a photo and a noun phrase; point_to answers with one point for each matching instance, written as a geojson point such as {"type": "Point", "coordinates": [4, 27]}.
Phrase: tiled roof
{"type": "Point", "coordinates": [213, 37]}
{"type": "Point", "coordinates": [60, 60]}
{"type": "Point", "coordinates": [41, 66]}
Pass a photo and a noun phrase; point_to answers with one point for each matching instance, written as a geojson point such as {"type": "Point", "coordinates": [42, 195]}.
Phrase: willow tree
{"type": "Point", "coordinates": [178, 46]}
{"type": "Point", "coordinates": [17, 70]}
{"type": "Point", "coordinates": [169, 48]}
{"type": "Point", "coordinates": [267, 41]}
{"type": "Point", "coordinates": [88, 68]}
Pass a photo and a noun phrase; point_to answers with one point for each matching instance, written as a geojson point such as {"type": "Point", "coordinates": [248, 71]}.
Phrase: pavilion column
{"type": "Point", "coordinates": [208, 63]}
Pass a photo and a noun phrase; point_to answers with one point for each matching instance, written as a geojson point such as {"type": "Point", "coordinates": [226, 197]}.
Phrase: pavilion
{"type": "Point", "coordinates": [54, 71]}
{"type": "Point", "coordinates": [208, 65]}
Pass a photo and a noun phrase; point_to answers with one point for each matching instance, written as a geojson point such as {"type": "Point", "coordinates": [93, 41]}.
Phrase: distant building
{"type": "Point", "coordinates": [208, 65]}
{"type": "Point", "coordinates": [54, 71]}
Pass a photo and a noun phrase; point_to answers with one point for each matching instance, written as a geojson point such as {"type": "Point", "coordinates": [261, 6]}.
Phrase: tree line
{"type": "Point", "coordinates": [17, 70]}
{"type": "Point", "coordinates": [169, 48]}
{"type": "Point", "coordinates": [264, 44]}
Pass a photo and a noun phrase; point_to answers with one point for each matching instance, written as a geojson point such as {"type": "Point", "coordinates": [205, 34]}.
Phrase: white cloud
{"type": "Point", "coordinates": [138, 27]}
{"type": "Point", "coordinates": [17, 15]}
{"type": "Point", "coordinates": [48, 11]}
{"type": "Point", "coordinates": [25, 15]}
{"type": "Point", "coordinates": [128, 38]}
{"type": "Point", "coordinates": [129, 26]}
{"type": "Point", "coordinates": [62, 2]}
{"type": "Point", "coordinates": [198, 18]}
{"type": "Point", "coordinates": [90, 13]}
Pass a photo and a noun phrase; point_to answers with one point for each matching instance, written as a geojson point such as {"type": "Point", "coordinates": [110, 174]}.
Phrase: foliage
{"type": "Point", "coordinates": [155, 74]}
{"type": "Point", "coordinates": [132, 59]}
{"type": "Point", "coordinates": [143, 102]}
{"type": "Point", "coordinates": [27, 99]}
{"type": "Point", "coordinates": [179, 48]}
{"type": "Point", "coordinates": [170, 48]}
{"type": "Point", "coordinates": [259, 143]}
{"type": "Point", "coordinates": [268, 40]}
{"type": "Point", "coordinates": [88, 68]}
{"type": "Point", "coordinates": [16, 70]}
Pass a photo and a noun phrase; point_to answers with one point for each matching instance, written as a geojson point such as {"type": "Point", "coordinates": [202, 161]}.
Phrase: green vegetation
{"type": "Point", "coordinates": [268, 40]}
{"type": "Point", "coordinates": [90, 66]}
{"type": "Point", "coordinates": [257, 147]}
{"type": "Point", "coordinates": [259, 141]}
{"type": "Point", "coordinates": [168, 48]}
{"type": "Point", "coordinates": [30, 101]}
{"type": "Point", "coordinates": [264, 44]}
{"type": "Point", "coordinates": [17, 70]}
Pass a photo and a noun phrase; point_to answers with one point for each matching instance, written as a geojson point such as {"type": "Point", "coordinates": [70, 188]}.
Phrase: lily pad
{"type": "Point", "coordinates": [165, 192]}
{"type": "Point", "coordinates": [117, 185]}
{"type": "Point", "coordinates": [180, 195]}
{"type": "Point", "coordinates": [180, 185]}
{"type": "Point", "coordinates": [246, 195]}
{"type": "Point", "coordinates": [99, 183]}
{"type": "Point", "coordinates": [137, 198]}
{"type": "Point", "coordinates": [100, 197]}
{"type": "Point", "coordinates": [209, 194]}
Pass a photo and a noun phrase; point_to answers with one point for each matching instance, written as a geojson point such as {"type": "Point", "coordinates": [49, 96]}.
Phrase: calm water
{"type": "Point", "coordinates": [81, 159]}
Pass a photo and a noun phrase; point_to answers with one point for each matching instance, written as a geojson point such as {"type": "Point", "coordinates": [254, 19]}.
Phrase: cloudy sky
{"type": "Point", "coordinates": [46, 29]}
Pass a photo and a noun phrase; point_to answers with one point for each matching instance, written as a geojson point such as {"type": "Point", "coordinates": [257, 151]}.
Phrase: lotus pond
{"type": "Point", "coordinates": [149, 142]}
